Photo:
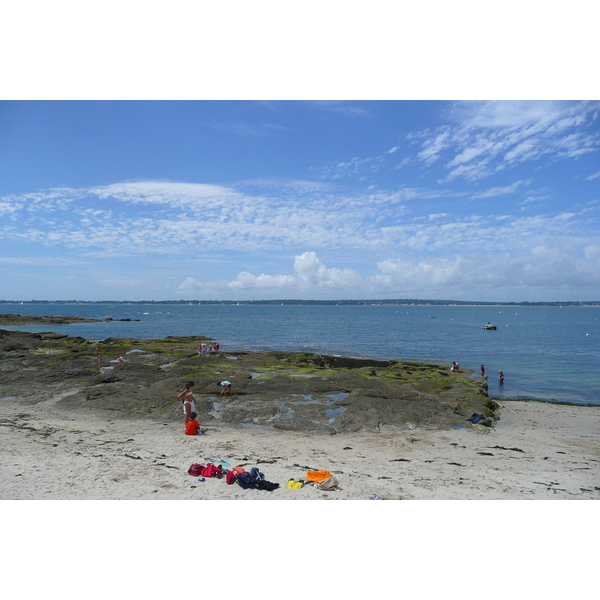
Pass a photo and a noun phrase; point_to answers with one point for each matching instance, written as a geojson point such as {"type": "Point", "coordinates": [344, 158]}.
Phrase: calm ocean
{"type": "Point", "coordinates": [549, 353]}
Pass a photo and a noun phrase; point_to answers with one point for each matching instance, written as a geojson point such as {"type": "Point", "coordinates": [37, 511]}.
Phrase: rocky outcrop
{"type": "Point", "coordinates": [293, 391]}
{"type": "Point", "coordinates": [10, 320]}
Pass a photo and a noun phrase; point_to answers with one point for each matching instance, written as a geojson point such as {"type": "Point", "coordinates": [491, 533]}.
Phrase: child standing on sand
{"type": "Point", "coordinates": [192, 427]}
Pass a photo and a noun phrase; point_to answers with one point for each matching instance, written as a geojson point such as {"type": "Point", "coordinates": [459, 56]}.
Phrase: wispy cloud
{"type": "Point", "coordinates": [344, 108]}
{"type": "Point", "coordinates": [484, 138]}
{"type": "Point", "coordinates": [176, 218]}
{"type": "Point", "coordinates": [501, 190]}
{"type": "Point", "coordinates": [247, 129]}
{"type": "Point", "coordinates": [489, 136]}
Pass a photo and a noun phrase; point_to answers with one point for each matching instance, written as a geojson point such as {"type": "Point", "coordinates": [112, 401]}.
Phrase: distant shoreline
{"type": "Point", "coordinates": [296, 302]}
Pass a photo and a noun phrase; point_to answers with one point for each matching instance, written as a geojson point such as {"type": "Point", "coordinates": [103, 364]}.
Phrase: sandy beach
{"type": "Point", "coordinates": [535, 451]}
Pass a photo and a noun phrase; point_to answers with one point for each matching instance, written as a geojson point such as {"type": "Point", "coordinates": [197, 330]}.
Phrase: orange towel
{"type": "Point", "coordinates": [318, 475]}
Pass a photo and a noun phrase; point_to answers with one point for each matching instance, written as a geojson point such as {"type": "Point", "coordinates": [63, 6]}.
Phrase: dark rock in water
{"type": "Point", "coordinates": [110, 319]}
{"type": "Point", "coordinates": [16, 320]}
{"type": "Point", "coordinates": [282, 390]}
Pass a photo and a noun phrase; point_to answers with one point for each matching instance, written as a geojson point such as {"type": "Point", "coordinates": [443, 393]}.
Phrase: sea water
{"type": "Point", "coordinates": [546, 353]}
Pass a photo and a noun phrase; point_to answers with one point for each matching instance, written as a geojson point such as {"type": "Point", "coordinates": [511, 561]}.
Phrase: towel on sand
{"type": "Point", "coordinates": [318, 475]}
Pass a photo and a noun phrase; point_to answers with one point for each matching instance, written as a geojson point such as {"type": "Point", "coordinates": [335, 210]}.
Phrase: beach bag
{"type": "Point", "coordinates": [195, 470]}
{"type": "Point", "coordinates": [238, 470]}
{"type": "Point", "coordinates": [230, 477]}
{"type": "Point", "coordinates": [331, 483]}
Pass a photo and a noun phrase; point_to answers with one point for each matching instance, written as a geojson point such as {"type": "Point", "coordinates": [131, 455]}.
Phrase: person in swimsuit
{"type": "Point", "coordinates": [189, 404]}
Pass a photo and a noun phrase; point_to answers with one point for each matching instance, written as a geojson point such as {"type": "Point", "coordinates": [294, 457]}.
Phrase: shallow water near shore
{"type": "Point", "coordinates": [546, 353]}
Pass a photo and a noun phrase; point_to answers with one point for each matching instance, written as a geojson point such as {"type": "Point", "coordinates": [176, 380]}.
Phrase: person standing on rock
{"type": "Point", "coordinates": [189, 404]}
{"type": "Point", "coordinates": [482, 371]}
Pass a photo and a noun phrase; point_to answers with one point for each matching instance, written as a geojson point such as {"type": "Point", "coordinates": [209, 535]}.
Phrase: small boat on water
{"type": "Point", "coordinates": [488, 326]}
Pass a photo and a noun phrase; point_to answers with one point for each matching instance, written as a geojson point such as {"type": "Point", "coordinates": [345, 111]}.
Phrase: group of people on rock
{"type": "Point", "coordinates": [455, 368]}
{"type": "Point", "coordinates": [204, 348]}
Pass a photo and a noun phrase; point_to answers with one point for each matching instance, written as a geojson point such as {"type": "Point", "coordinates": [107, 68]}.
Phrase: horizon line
{"type": "Point", "coordinates": [305, 301]}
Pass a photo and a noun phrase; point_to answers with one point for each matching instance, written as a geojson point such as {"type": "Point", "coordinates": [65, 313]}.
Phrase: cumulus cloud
{"type": "Point", "coordinates": [472, 276]}
{"type": "Point", "coordinates": [310, 276]}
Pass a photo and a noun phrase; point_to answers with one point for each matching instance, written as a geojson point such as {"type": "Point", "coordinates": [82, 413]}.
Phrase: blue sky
{"type": "Point", "coordinates": [134, 200]}
{"type": "Point", "coordinates": [222, 152]}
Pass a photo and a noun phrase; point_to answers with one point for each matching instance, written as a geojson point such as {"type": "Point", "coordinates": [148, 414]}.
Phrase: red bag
{"type": "Point", "coordinates": [230, 477]}
{"type": "Point", "coordinates": [210, 471]}
{"type": "Point", "coordinates": [195, 470]}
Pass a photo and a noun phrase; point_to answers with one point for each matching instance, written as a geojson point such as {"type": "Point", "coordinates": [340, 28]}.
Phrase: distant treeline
{"type": "Point", "coordinates": [385, 302]}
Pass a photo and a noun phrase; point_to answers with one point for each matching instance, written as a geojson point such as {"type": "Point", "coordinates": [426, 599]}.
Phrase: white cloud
{"type": "Point", "coordinates": [506, 113]}
{"type": "Point", "coordinates": [153, 218]}
{"type": "Point", "coordinates": [7, 208]}
{"type": "Point", "coordinates": [185, 224]}
{"type": "Point", "coordinates": [501, 190]}
{"type": "Point", "coordinates": [42, 261]}
{"type": "Point", "coordinates": [593, 176]}
{"type": "Point", "coordinates": [352, 111]}
{"type": "Point", "coordinates": [344, 108]}
{"type": "Point", "coordinates": [466, 155]}
{"type": "Point", "coordinates": [186, 195]}
{"type": "Point", "coordinates": [310, 276]}
{"type": "Point", "coordinates": [472, 276]}
{"type": "Point", "coordinates": [432, 147]}
{"type": "Point", "coordinates": [245, 129]}
{"type": "Point", "coordinates": [489, 136]}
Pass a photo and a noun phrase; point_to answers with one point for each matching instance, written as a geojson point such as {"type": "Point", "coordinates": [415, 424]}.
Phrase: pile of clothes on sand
{"type": "Point", "coordinates": [255, 479]}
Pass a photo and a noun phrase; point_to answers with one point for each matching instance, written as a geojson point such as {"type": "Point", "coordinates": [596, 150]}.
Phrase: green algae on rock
{"type": "Point", "coordinates": [283, 390]}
